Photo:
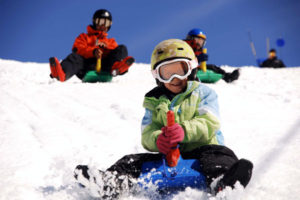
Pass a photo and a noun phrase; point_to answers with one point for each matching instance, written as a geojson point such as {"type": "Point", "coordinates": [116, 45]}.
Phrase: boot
{"type": "Point", "coordinates": [56, 70]}
{"type": "Point", "coordinates": [240, 171]}
{"type": "Point", "coordinates": [229, 77]}
{"type": "Point", "coordinates": [121, 67]}
{"type": "Point", "coordinates": [104, 185]}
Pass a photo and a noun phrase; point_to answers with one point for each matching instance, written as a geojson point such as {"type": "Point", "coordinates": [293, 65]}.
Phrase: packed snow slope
{"type": "Point", "coordinates": [48, 127]}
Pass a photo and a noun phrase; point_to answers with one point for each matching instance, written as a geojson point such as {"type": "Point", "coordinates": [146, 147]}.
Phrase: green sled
{"type": "Point", "coordinates": [93, 77]}
{"type": "Point", "coordinates": [209, 76]}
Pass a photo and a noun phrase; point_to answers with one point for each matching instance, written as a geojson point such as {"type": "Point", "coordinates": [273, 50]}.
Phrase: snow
{"type": "Point", "coordinates": [48, 127]}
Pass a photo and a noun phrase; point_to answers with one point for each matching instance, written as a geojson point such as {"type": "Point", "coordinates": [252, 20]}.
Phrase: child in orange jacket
{"type": "Point", "coordinates": [91, 46]}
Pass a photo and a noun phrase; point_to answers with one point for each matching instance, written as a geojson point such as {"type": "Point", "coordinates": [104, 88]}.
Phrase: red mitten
{"type": "Point", "coordinates": [175, 133]}
{"type": "Point", "coordinates": [163, 144]}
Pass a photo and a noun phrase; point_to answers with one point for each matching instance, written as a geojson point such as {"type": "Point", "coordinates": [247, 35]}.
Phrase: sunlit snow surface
{"type": "Point", "coordinates": [48, 127]}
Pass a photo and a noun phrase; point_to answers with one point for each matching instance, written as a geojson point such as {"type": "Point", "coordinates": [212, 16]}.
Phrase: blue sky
{"type": "Point", "coordinates": [34, 30]}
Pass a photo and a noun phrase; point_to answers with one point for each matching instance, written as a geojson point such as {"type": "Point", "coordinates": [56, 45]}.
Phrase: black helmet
{"type": "Point", "coordinates": [102, 14]}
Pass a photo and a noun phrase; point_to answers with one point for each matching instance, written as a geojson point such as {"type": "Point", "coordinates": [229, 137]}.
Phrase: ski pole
{"type": "Point", "coordinates": [173, 156]}
{"type": "Point", "coordinates": [268, 45]}
{"type": "Point", "coordinates": [203, 63]}
{"type": "Point", "coordinates": [253, 47]}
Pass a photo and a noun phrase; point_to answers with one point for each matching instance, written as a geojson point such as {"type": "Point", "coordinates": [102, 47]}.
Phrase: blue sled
{"type": "Point", "coordinates": [172, 179]}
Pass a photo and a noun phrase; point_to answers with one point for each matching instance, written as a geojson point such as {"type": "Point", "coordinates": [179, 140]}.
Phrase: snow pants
{"type": "Point", "coordinates": [75, 64]}
{"type": "Point", "coordinates": [215, 69]}
{"type": "Point", "coordinates": [228, 77]}
{"type": "Point", "coordinates": [215, 160]}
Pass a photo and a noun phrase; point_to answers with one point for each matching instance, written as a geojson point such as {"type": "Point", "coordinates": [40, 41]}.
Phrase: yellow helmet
{"type": "Point", "coordinates": [171, 49]}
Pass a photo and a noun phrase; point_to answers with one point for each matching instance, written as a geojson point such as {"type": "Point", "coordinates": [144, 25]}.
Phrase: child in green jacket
{"type": "Point", "coordinates": [174, 66]}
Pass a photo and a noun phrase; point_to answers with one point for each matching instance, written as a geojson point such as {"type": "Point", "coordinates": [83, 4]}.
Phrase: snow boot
{"type": "Point", "coordinates": [104, 185]}
{"type": "Point", "coordinates": [240, 171]}
{"type": "Point", "coordinates": [56, 69]}
{"type": "Point", "coordinates": [229, 77]}
{"type": "Point", "coordinates": [121, 67]}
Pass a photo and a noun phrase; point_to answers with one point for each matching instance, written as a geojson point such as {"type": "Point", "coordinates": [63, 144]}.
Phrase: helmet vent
{"type": "Point", "coordinates": [160, 52]}
{"type": "Point", "coordinates": [180, 48]}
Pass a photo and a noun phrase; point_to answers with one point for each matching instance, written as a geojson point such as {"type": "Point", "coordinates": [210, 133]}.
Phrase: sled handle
{"type": "Point", "coordinates": [170, 118]}
{"type": "Point", "coordinates": [173, 156]}
{"type": "Point", "coordinates": [203, 64]}
{"type": "Point", "coordinates": [98, 66]}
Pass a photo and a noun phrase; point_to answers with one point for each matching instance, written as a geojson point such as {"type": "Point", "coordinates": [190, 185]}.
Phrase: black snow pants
{"type": "Point", "coordinates": [215, 160]}
{"type": "Point", "coordinates": [215, 69]}
{"type": "Point", "coordinates": [75, 64]}
{"type": "Point", "coordinates": [227, 76]}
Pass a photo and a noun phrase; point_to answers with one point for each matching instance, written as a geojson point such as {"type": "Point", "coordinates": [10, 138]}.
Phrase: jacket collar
{"type": "Point", "coordinates": [92, 31]}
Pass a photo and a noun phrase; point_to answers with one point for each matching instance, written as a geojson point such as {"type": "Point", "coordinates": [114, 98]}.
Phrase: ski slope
{"type": "Point", "coordinates": [48, 127]}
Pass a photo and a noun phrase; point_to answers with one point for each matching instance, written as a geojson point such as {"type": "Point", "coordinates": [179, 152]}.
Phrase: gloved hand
{"type": "Point", "coordinates": [163, 144]}
{"type": "Point", "coordinates": [102, 44]}
{"type": "Point", "coordinates": [169, 138]}
{"type": "Point", "coordinates": [175, 133]}
{"type": "Point", "coordinates": [98, 53]}
{"type": "Point", "coordinates": [202, 57]}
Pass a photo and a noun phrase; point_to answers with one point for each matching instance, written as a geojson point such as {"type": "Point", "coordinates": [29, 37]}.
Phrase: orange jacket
{"type": "Point", "coordinates": [85, 43]}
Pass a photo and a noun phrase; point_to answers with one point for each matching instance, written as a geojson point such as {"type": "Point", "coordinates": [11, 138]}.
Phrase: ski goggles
{"type": "Point", "coordinates": [178, 68]}
{"type": "Point", "coordinates": [200, 41]}
{"type": "Point", "coordinates": [103, 22]}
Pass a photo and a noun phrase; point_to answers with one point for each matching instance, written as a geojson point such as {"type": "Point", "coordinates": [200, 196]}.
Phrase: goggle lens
{"type": "Point", "coordinates": [177, 68]}
{"type": "Point", "coordinates": [103, 22]}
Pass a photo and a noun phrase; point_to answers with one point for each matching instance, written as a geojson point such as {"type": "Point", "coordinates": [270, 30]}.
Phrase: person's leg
{"type": "Point", "coordinates": [217, 160]}
{"type": "Point", "coordinates": [56, 70]}
{"type": "Point", "coordinates": [117, 54]}
{"type": "Point", "coordinates": [240, 171]}
{"type": "Point", "coordinates": [229, 77]}
{"type": "Point", "coordinates": [215, 69]}
{"type": "Point", "coordinates": [117, 62]}
{"type": "Point", "coordinates": [116, 179]}
{"type": "Point", "coordinates": [131, 165]}
{"type": "Point", "coordinates": [73, 64]}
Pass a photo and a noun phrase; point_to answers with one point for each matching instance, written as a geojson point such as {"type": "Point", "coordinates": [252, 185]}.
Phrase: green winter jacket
{"type": "Point", "coordinates": [196, 110]}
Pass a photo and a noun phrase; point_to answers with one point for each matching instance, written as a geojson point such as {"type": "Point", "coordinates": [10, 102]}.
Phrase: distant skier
{"type": "Point", "coordinates": [196, 38]}
{"type": "Point", "coordinates": [273, 61]}
{"type": "Point", "coordinates": [90, 46]}
{"type": "Point", "coordinates": [195, 105]}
